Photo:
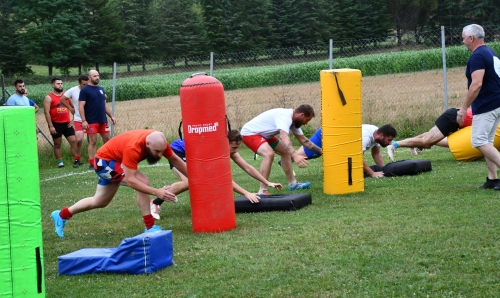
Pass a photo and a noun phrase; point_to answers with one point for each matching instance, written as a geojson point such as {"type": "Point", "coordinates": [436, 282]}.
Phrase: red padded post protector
{"type": "Point", "coordinates": [207, 154]}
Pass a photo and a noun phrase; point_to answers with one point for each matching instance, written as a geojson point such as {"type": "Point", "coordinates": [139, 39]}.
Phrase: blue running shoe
{"type": "Point", "coordinates": [299, 186]}
{"type": "Point", "coordinates": [154, 228]}
{"type": "Point", "coordinates": [59, 223]}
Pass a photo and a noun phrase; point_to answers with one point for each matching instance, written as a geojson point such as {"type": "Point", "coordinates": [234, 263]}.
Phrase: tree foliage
{"type": "Point", "coordinates": [69, 33]}
{"type": "Point", "coordinates": [13, 59]}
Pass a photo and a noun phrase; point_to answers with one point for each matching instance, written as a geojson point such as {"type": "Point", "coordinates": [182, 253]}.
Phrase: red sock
{"type": "Point", "coordinates": [91, 161]}
{"type": "Point", "coordinates": [149, 221]}
{"type": "Point", "coordinates": [65, 214]}
{"type": "Point", "coordinates": [77, 158]}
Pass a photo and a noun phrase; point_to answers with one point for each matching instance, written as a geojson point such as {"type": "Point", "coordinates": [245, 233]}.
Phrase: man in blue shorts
{"type": "Point", "coordinates": [483, 81]}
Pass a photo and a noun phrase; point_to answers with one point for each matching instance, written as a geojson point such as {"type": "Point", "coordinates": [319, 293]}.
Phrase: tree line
{"type": "Point", "coordinates": [73, 33]}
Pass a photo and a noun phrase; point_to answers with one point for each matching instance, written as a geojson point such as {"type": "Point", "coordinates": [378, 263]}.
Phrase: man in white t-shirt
{"type": "Point", "coordinates": [18, 98]}
{"type": "Point", "coordinates": [372, 138]}
{"type": "Point", "coordinates": [74, 94]}
{"type": "Point", "coordinates": [259, 134]}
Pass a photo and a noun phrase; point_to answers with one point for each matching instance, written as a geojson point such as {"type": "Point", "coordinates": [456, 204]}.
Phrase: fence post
{"type": "Point", "coordinates": [211, 64]}
{"type": "Point", "coordinates": [445, 79]}
{"type": "Point", "coordinates": [113, 99]}
{"type": "Point", "coordinates": [331, 53]}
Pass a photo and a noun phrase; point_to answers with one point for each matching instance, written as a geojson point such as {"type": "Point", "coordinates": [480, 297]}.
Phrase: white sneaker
{"type": "Point", "coordinates": [390, 152]}
{"type": "Point", "coordinates": [155, 210]}
{"type": "Point", "coordinates": [413, 151]}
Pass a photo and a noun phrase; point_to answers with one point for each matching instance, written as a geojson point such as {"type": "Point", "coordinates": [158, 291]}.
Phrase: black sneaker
{"type": "Point", "coordinates": [91, 167]}
{"type": "Point", "coordinates": [489, 184]}
{"type": "Point", "coordinates": [76, 164]}
{"type": "Point", "coordinates": [279, 162]}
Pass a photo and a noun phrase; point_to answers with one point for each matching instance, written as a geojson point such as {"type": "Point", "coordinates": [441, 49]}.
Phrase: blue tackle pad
{"type": "Point", "coordinates": [142, 254]}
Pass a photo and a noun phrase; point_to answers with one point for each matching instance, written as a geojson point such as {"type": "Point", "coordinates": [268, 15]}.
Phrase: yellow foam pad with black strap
{"type": "Point", "coordinates": [341, 120]}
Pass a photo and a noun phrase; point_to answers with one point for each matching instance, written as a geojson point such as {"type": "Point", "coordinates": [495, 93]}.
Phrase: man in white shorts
{"type": "Point", "coordinates": [74, 94]}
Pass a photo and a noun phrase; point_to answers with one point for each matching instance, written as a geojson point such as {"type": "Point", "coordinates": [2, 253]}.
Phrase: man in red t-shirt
{"type": "Point", "coordinates": [57, 116]}
{"type": "Point", "coordinates": [116, 164]}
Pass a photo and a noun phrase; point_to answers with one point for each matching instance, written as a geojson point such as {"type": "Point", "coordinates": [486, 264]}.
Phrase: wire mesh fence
{"type": "Point", "coordinates": [146, 93]}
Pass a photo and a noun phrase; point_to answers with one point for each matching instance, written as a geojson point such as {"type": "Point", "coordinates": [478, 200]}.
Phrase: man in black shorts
{"type": "Point", "coordinates": [446, 124]}
{"type": "Point", "coordinates": [57, 116]}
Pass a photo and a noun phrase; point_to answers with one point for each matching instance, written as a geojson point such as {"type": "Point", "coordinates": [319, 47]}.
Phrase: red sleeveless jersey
{"type": "Point", "coordinates": [58, 112]}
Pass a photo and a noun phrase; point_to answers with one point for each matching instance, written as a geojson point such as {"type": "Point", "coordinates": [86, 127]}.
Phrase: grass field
{"type": "Point", "coordinates": [429, 235]}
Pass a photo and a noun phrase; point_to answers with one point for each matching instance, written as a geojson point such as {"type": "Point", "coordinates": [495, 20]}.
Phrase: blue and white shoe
{"type": "Point", "coordinates": [59, 223]}
{"type": "Point", "coordinates": [299, 186]}
{"type": "Point", "coordinates": [154, 228]}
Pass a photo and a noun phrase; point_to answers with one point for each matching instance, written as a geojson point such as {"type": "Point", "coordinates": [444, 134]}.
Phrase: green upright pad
{"type": "Point", "coordinates": [20, 210]}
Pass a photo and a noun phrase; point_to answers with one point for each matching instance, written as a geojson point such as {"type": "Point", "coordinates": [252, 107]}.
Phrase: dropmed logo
{"type": "Point", "coordinates": [201, 128]}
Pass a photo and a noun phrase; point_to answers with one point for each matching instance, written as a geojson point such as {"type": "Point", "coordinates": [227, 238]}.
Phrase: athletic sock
{"type": "Point", "coordinates": [65, 214]}
{"type": "Point", "coordinates": [292, 183]}
{"type": "Point", "coordinates": [158, 201]}
{"type": "Point", "coordinates": [77, 158]}
{"type": "Point", "coordinates": [395, 144]}
{"type": "Point", "coordinates": [149, 221]}
{"type": "Point", "coordinates": [59, 161]}
{"type": "Point", "coordinates": [91, 161]}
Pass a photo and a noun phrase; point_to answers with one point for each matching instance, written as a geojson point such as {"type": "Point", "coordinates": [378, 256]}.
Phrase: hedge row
{"type": "Point", "coordinates": [251, 77]}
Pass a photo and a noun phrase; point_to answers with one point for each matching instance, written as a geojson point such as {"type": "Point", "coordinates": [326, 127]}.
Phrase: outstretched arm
{"type": "Point", "coordinates": [308, 144]}
{"type": "Point", "coordinates": [254, 198]}
{"type": "Point", "coordinates": [377, 156]}
{"type": "Point", "coordinates": [300, 160]}
{"type": "Point", "coordinates": [236, 157]}
{"type": "Point", "coordinates": [369, 171]}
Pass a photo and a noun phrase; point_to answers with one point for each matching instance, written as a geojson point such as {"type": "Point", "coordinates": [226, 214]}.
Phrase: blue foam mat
{"type": "Point", "coordinates": [142, 254]}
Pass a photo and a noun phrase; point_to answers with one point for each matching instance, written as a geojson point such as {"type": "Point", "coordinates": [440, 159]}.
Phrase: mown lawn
{"type": "Point", "coordinates": [432, 234]}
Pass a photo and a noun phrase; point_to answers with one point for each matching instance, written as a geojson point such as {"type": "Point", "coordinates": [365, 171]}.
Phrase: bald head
{"type": "Point", "coordinates": [93, 77]}
{"type": "Point", "coordinates": [157, 139]}
{"type": "Point", "coordinates": [156, 143]}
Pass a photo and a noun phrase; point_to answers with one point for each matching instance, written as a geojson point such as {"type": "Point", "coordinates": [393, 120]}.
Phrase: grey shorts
{"type": "Point", "coordinates": [484, 127]}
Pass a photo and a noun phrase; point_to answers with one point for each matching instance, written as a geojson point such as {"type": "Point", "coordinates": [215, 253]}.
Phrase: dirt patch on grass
{"type": "Point", "coordinates": [410, 101]}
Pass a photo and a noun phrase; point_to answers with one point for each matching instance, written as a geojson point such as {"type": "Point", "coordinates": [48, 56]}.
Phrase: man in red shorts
{"type": "Point", "coordinates": [57, 116]}
{"type": "Point", "coordinates": [93, 111]}
{"type": "Point", "coordinates": [116, 163]}
{"type": "Point", "coordinates": [260, 135]}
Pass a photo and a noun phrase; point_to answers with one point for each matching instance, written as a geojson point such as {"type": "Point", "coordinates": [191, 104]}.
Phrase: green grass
{"type": "Point", "coordinates": [432, 234]}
